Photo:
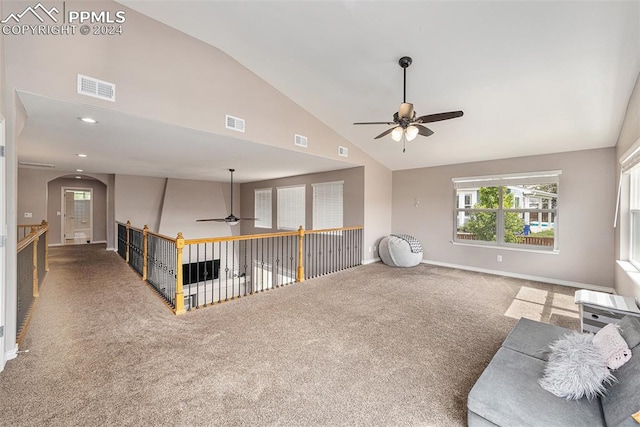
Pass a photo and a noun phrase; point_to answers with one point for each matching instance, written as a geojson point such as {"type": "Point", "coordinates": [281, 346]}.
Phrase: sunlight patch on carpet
{"type": "Point", "coordinates": [541, 305]}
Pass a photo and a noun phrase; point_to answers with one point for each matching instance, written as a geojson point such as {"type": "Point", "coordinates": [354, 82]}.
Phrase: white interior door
{"type": "Point", "coordinates": [3, 234]}
{"type": "Point", "coordinates": [77, 224]}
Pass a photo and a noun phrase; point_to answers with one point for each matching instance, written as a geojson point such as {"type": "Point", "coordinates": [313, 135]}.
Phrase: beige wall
{"type": "Point", "coordinates": [353, 209]}
{"type": "Point", "coordinates": [586, 203]}
{"type": "Point", "coordinates": [139, 199]}
{"type": "Point", "coordinates": [629, 134]}
{"type": "Point", "coordinates": [186, 201]}
{"type": "Point", "coordinates": [54, 205]}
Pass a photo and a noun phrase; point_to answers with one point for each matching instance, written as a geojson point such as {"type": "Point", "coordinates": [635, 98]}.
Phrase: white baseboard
{"type": "Point", "coordinates": [523, 276]}
{"type": "Point", "coordinates": [370, 261]}
{"type": "Point", "coordinates": [51, 245]}
{"type": "Point", "coordinates": [11, 354]}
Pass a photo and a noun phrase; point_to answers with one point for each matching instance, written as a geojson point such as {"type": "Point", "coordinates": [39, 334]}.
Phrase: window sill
{"type": "Point", "coordinates": [508, 248]}
{"type": "Point", "coordinates": [630, 270]}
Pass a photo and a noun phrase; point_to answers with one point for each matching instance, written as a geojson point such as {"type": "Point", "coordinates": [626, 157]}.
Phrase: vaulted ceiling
{"type": "Point", "coordinates": [532, 77]}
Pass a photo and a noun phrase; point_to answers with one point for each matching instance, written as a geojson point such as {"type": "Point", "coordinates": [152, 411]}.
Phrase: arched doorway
{"type": "Point", "coordinates": [77, 210]}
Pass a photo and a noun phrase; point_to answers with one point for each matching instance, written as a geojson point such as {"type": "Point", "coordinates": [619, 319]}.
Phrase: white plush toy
{"type": "Point", "coordinates": [612, 346]}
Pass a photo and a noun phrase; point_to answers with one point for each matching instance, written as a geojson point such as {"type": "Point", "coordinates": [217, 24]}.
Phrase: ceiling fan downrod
{"type": "Point", "coordinates": [404, 62]}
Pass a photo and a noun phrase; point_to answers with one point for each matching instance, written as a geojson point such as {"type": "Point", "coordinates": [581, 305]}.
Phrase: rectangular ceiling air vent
{"type": "Point", "coordinates": [37, 165]}
{"type": "Point", "coordinates": [235, 123]}
{"type": "Point", "coordinates": [96, 88]}
{"type": "Point", "coordinates": [300, 141]}
{"type": "Point", "coordinates": [343, 151]}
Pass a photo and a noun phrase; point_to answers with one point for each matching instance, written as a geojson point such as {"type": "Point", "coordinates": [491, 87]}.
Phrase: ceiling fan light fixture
{"type": "Point", "coordinates": [411, 133]}
{"type": "Point", "coordinates": [396, 134]}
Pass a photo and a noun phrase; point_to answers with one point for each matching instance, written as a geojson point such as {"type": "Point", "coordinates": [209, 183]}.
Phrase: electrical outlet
{"type": "Point", "coordinates": [499, 258]}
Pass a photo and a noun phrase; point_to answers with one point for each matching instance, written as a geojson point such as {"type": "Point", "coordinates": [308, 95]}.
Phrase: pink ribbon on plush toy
{"type": "Point", "coordinates": [612, 346]}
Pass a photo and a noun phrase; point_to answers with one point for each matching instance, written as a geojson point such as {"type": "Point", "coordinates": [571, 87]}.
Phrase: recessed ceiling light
{"type": "Point", "coordinates": [88, 120]}
{"type": "Point", "coordinates": [79, 170]}
{"type": "Point", "coordinates": [78, 177]}
{"type": "Point", "coordinates": [81, 155]}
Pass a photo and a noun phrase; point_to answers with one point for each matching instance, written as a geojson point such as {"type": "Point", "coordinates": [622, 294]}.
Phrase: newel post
{"type": "Point", "coordinates": [179, 293]}
{"type": "Point", "coordinates": [300, 277]}
{"type": "Point", "coordinates": [145, 232]}
{"type": "Point", "coordinates": [46, 245]}
{"type": "Point", "coordinates": [128, 226]}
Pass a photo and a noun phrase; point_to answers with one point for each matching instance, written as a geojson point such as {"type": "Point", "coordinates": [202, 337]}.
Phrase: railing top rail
{"type": "Point", "coordinates": [31, 237]}
{"type": "Point", "coordinates": [141, 230]}
{"type": "Point", "coordinates": [327, 230]}
{"type": "Point", "coordinates": [243, 237]}
{"type": "Point", "coordinates": [29, 225]}
{"type": "Point", "coordinates": [162, 236]}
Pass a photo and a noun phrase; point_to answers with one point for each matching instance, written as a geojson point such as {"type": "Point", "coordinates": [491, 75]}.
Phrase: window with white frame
{"type": "Point", "coordinates": [291, 207]}
{"type": "Point", "coordinates": [262, 208]}
{"type": "Point", "coordinates": [629, 200]}
{"type": "Point", "coordinates": [519, 210]}
{"type": "Point", "coordinates": [634, 212]}
{"type": "Point", "coordinates": [328, 202]}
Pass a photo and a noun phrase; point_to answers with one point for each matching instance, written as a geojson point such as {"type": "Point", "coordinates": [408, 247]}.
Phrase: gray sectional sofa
{"type": "Point", "coordinates": [508, 394]}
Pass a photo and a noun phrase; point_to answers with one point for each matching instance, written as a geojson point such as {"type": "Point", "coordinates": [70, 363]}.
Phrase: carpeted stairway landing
{"type": "Point", "coordinates": [370, 346]}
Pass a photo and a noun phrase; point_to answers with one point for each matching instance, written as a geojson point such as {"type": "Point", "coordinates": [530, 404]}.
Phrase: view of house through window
{"type": "Point", "coordinates": [518, 210]}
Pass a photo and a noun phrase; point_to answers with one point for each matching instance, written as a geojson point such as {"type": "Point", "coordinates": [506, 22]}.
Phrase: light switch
{"type": "Point", "coordinates": [28, 215]}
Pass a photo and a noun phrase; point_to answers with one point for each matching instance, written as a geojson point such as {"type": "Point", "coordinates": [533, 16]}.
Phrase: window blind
{"type": "Point", "coordinates": [328, 200]}
{"type": "Point", "coordinates": [291, 207]}
{"type": "Point", "coordinates": [262, 208]}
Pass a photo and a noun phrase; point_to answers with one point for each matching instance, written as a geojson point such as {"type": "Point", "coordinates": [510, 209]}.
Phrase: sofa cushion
{"type": "Point", "coordinates": [533, 338]}
{"type": "Point", "coordinates": [622, 398]}
{"type": "Point", "coordinates": [630, 330]}
{"type": "Point", "coordinates": [508, 394]}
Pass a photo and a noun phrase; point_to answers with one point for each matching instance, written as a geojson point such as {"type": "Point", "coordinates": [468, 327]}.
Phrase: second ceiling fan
{"type": "Point", "coordinates": [231, 219]}
{"type": "Point", "coordinates": [406, 126]}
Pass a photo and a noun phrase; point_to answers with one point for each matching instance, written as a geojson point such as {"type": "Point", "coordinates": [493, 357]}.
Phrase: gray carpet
{"type": "Point", "coordinates": [373, 345]}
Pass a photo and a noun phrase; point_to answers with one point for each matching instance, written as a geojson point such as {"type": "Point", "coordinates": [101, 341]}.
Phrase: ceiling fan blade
{"type": "Point", "coordinates": [423, 130]}
{"type": "Point", "coordinates": [405, 111]}
{"type": "Point", "coordinates": [430, 118]}
{"type": "Point", "coordinates": [211, 219]}
{"type": "Point", "coordinates": [375, 123]}
{"type": "Point", "coordinates": [385, 133]}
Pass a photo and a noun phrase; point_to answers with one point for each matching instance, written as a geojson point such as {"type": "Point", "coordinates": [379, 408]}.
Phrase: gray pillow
{"type": "Point", "coordinates": [575, 368]}
{"type": "Point", "coordinates": [630, 330]}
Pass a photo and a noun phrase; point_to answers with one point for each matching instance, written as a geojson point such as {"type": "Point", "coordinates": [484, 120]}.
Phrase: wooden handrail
{"type": "Point", "coordinates": [244, 237]}
{"type": "Point", "coordinates": [328, 230]}
{"type": "Point", "coordinates": [32, 237]}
